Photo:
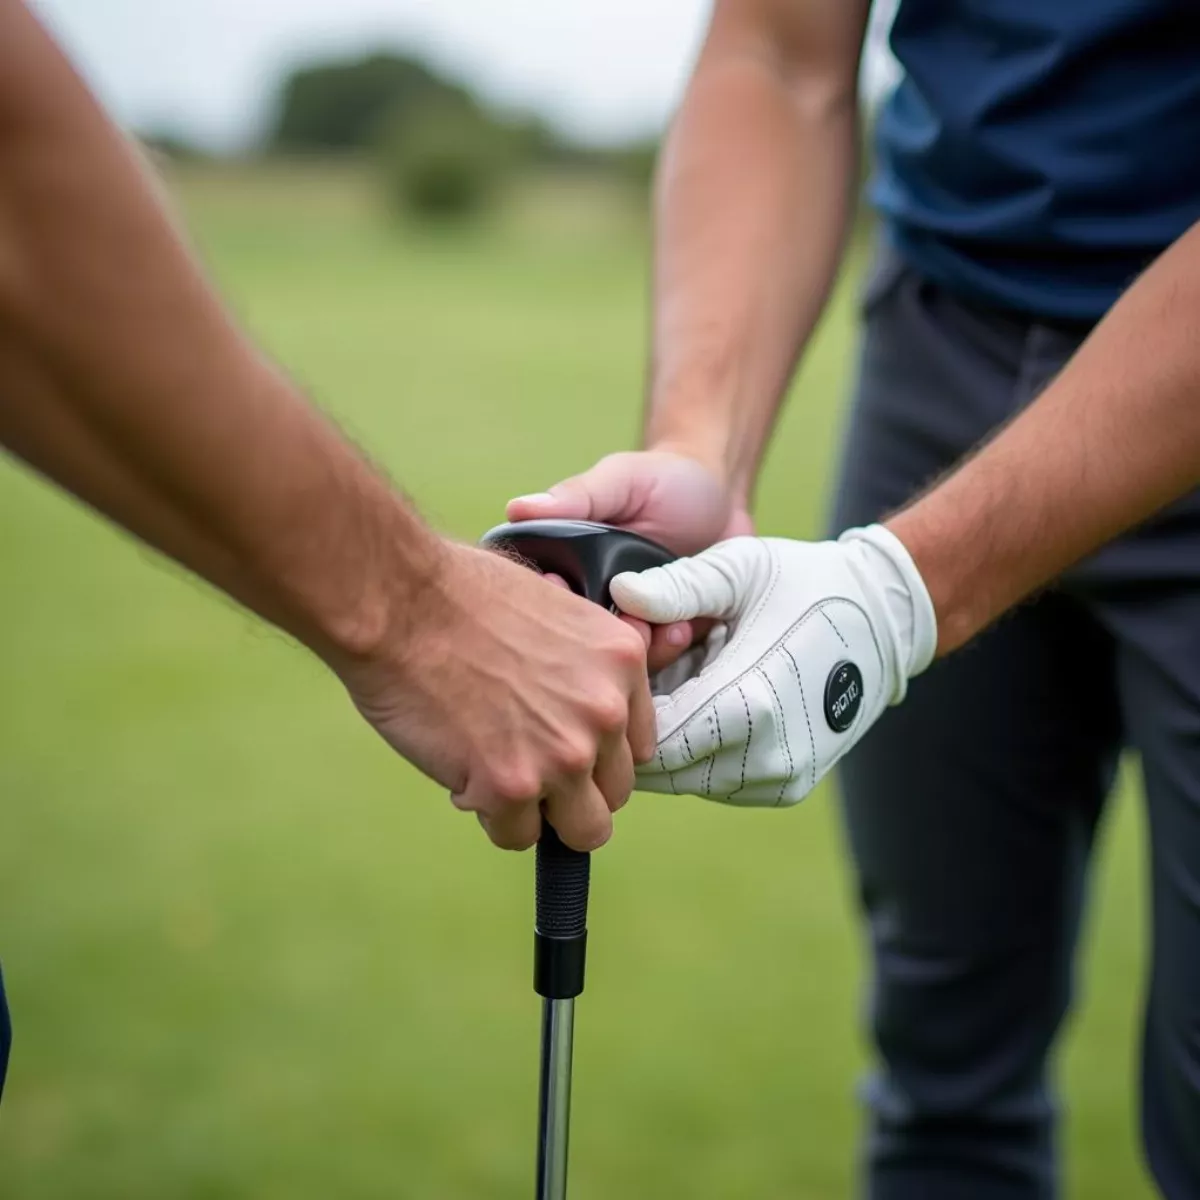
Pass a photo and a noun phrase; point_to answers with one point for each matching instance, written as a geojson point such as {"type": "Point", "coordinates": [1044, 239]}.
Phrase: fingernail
{"type": "Point", "coordinates": [535, 498]}
{"type": "Point", "coordinates": [677, 636]}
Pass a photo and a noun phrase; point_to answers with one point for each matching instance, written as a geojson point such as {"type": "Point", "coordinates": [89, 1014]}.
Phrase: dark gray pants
{"type": "Point", "coordinates": [971, 807]}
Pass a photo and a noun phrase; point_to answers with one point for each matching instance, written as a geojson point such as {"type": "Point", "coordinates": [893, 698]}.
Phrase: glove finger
{"type": "Point", "coordinates": [712, 778]}
{"type": "Point", "coordinates": [749, 739]}
{"type": "Point", "coordinates": [717, 583]}
{"type": "Point", "coordinates": [671, 759]}
{"type": "Point", "coordinates": [709, 730]}
{"type": "Point", "coordinates": [720, 778]}
{"type": "Point", "coordinates": [775, 793]}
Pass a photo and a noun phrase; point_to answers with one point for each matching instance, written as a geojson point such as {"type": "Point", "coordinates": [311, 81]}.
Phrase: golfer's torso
{"type": "Point", "coordinates": [1039, 153]}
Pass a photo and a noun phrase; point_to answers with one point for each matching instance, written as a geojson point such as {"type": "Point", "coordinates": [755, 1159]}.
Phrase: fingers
{"type": "Point", "coordinates": [668, 642]}
{"type": "Point", "coordinates": [641, 733]}
{"type": "Point", "coordinates": [579, 812]}
{"type": "Point", "coordinates": [515, 830]}
{"type": "Point", "coordinates": [580, 808]}
{"type": "Point", "coordinates": [614, 772]}
{"type": "Point", "coordinates": [586, 715]}
{"type": "Point", "coordinates": [505, 797]}
{"type": "Point", "coordinates": [579, 799]}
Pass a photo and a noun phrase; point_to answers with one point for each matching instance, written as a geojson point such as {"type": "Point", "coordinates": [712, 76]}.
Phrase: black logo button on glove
{"type": "Point", "coordinates": [843, 696]}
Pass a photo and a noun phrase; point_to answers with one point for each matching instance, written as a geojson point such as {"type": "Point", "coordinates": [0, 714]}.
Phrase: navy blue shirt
{"type": "Point", "coordinates": [1038, 154]}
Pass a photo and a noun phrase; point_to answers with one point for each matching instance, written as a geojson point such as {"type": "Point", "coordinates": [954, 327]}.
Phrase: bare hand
{"type": "Point", "coordinates": [669, 497]}
{"type": "Point", "coordinates": [517, 696]}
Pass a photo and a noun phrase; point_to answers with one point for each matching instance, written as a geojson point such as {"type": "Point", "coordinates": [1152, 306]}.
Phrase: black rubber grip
{"type": "Point", "coordinates": [561, 886]}
{"type": "Point", "coordinates": [560, 923]}
{"type": "Point", "coordinates": [587, 556]}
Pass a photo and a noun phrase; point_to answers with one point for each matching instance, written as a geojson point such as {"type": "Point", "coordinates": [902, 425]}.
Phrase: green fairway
{"type": "Point", "coordinates": [251, 954]}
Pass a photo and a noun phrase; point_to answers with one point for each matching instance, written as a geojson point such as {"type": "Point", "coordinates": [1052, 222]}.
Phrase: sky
{"type": "Point", "coordinates": [601, 69]}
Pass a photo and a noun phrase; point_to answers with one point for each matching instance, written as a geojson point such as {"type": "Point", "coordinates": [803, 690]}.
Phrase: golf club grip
{"type": "Point", "coordinates": [561, 886]}
{"type": "Point", "coordinates": [560, 928]}
{"type": "Point", "coordinates": [587, 556]}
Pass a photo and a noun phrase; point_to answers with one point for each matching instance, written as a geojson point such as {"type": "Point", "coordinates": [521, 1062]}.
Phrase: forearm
{"type": "Point", "coordinates": [754, 195]}
{"type": "Point", "coordinates": [123, 379]}
{"type": "Point", "coordinates": [1110, 442]}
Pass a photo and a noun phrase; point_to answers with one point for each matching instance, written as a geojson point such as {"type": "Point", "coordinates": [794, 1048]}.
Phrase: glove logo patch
{"type": "Point", "coordinates": [843, 696]}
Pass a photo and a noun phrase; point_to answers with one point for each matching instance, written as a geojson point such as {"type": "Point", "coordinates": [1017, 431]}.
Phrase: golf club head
{"type": "Point", "coordinates": [585, 554]}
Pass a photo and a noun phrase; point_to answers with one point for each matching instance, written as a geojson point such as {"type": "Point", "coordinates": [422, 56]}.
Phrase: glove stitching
{"type": "Point", "coordinates": [691, 756]}
{"type": "Point", "coordinates": [711, 715]}
{"type": "Point", "coordinates": [669, 774]}
{"type": "Point", "coordinates": [712, 762]}
{"type": "Point", "coordinates": [815, 611]}
{"type": "Point", "coordinates": [836, 630]}
{"type": "Point", "coordinates": [746, 747]}
{"type": "Point", "coordinates": [783, 731]}
{"type": "Point", "coordinates": [812, 741]}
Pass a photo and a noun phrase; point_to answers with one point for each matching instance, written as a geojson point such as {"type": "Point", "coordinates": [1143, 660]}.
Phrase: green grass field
{"type": "Point", "coordinates": [251, 954]}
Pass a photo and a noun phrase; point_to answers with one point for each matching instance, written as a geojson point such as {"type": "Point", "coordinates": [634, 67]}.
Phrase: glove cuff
{"type": "Point", "coordinates": [923, 642]}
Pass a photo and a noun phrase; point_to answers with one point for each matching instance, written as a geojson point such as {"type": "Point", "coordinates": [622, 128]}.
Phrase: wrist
{"type": "Point", "coordinates": [706, 451]}
{"type": "Point", "coordinates": [708, 444]}
{"type": "Point", "coordinates": [944, 572]}
{"type": "Point", "coordinates": [702, 416]}
{"type": "Point", "coordinates": [377, 585]}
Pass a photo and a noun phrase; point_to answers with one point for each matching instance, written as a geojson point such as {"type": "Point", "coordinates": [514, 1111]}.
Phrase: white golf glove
{"type": "Point", "coordinates": [818, 638]}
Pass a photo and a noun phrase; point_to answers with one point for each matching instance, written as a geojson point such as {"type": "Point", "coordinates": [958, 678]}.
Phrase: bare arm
{"type": "Point", "coordinates": [754, 195]}
{"type": "Point", "coordinates": [174, 423]}
{"type": "Point", "coordinates": [123, 379]}
{"type": "Point", "coordinates": [755, 191]}
{"type": "Point", "coordinates": [1113, 439]}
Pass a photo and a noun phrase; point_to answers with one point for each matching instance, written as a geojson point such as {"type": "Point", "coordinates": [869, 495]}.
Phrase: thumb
{"type": "Point", "coordinates": [714, 584]}
{"type": "Point", "coordinates": [608, 492]}
{"type": "Point", "coordinates": [569, 500]}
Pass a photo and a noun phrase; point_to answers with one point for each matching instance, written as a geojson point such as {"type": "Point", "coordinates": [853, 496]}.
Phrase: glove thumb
{"type": "Point", "coordinates": [714, 584]}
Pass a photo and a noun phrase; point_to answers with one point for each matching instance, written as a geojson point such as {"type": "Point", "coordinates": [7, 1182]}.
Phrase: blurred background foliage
{"type": "Point", "coordinates": [251, 954]}
{"type": "Point", "coordinates": [436, 150]}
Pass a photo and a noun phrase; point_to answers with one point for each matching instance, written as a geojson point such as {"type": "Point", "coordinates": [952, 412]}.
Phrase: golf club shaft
{"type": "Point", "coordinates": [554, 1098]}
{"type": "Point", "coordinates": [588, 557]}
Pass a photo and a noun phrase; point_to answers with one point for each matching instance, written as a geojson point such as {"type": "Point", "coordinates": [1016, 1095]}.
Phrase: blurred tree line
{"type": "Point", "coordinates": [438, 148]}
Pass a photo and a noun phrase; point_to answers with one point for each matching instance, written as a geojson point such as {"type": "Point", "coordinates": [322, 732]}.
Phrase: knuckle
{"type": "Point", "coordinates": [575, 757]}
{"type": "Point", "coordinates": [609, 711]}
{"type": "Point", "coordinates": [515, 785]}
{"type": "Point", "coordinates": [628, 648]}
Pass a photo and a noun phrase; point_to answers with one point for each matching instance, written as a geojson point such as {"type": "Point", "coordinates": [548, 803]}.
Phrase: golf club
{"type": "Point", "coordinates": [587, 556]}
